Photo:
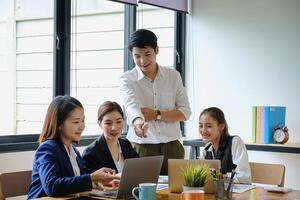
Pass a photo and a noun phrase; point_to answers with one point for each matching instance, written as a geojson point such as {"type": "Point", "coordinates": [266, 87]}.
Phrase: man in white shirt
{"type": "Point", "coordinates": [155, 101]}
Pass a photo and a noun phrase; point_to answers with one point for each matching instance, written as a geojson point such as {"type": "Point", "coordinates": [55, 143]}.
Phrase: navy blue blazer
{"type": "Point", "coordinates": [97, 154]}
{"type": "Point", "coordinates": [52, 172]}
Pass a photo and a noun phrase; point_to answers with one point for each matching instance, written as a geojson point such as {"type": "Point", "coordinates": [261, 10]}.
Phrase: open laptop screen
{"type": "Point", "coordinates": [135, 171]}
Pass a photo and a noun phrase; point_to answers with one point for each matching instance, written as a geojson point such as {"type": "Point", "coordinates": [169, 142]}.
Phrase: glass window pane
{"type": "Point", "coordinates": [97, 55]}
{"type": "Point", "coordinates": [26, 30]}
{"type": "Point", "coordinates": [161, 22]}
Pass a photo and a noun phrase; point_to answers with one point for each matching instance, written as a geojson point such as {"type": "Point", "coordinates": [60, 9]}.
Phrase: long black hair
{"type": "Point", "coordinates": [218, 115]}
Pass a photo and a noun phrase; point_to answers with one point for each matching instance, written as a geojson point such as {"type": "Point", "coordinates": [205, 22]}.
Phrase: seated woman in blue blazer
{"type": "Point", "coordinates": [57, 166]}
{"type": "Point", "coordinates": [109, 150]}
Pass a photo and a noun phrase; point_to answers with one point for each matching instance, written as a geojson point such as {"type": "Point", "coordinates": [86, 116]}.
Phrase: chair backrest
{"type": "Point", "coordinates": [264, 173]}
{"type": "Point", "coordinates": [14, 184]}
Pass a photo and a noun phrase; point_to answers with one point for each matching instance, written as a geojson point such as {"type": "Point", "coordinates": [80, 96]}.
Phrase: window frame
{"type": "Point", "coordinates": [61, 57]}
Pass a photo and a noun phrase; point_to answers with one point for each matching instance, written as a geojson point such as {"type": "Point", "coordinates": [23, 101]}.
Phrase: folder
{"type": "Point", "coordinates": [274, 116]}
{"type": "Point", "coordinates": [253, 124]}
{"type": "Point", "coordinates": [258, 124]}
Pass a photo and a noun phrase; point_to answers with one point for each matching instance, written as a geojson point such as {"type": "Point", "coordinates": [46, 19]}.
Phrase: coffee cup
{"type": "Point", "coordinates": [146, 191]}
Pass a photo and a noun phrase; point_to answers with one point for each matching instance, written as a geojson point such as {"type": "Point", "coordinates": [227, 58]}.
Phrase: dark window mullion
{"type": "Point", "coordinates": [179, 43]}
{"type": "Point", "coordinates": [61, 47]}
{"type": "Point", "coordinates": [129, 28]}
{"type": "Point", "coordinates": [179, 49]}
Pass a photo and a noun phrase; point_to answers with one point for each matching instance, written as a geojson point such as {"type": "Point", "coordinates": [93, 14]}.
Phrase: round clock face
{"type": "Point", "coordinates": [279, 135]}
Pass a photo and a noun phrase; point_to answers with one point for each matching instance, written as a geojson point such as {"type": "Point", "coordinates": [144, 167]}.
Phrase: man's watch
{"type": "Point", "coordinates": [158, 115]}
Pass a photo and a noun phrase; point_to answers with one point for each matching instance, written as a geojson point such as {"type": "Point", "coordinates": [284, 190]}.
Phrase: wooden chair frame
{"type": "Point", "coordinates": [14, 184]}
{"type": "Point", "coordinates": [264, 173]}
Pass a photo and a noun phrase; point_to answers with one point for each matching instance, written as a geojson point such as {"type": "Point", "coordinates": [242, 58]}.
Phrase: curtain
{"type": "Point", "coordinates": [177, 5]}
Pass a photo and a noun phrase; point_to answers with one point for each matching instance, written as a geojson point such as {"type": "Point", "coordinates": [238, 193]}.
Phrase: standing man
{"type": "Point", "coordinates": [155, 101]}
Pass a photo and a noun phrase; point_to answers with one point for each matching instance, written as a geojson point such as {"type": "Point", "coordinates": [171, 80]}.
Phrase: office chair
{"type": "Point", "coordinates": [14, 184]}
{"type": "Point", "coordinates": [264, 173]}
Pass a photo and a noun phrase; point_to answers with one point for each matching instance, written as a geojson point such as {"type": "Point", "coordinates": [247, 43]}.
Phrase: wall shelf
{"type": "Point", "coordinates": [195, 145]}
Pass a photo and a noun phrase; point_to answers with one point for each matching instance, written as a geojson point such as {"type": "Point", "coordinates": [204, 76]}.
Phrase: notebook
{"type": "Point", "coordinates": [175, 167]}
{"type": "Point", "coordinates": [135, 171]}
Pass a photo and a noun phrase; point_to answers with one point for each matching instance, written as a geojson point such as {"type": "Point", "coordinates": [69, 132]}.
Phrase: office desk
{"type": "Point", "coordinates": [254, 194]}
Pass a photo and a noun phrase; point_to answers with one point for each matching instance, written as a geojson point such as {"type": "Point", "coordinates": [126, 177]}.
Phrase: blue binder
{"type": "Point", "coordinates": [274, 116]}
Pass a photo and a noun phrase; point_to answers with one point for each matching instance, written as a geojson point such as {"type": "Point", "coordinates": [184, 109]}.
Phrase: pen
{"type": "Point", "coordinates": [231, 177]}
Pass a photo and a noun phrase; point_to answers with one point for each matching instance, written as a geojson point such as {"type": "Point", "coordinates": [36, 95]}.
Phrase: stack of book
{"type": "Point", "coordinates": [264, 120]}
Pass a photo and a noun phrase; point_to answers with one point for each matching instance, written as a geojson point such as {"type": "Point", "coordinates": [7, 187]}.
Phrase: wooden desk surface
{"type": "Point", "coordinates": [254, 194]}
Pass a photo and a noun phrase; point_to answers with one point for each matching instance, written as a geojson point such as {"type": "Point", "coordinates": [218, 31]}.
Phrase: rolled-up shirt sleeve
{"type": "Point", "coordinates": [240, 158]}
{"type": "Point", "coordinates": [182, 103]}
{"type": "Point", "coordinates": [131, 106]}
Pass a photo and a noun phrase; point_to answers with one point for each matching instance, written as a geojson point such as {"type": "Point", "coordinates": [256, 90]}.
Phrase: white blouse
{"type": "Point", "coordinates": [73, 156]}
{"type": "Point", "coordinates": [119, 163]}
{"type": "Point", "coordinates": [240, 158]}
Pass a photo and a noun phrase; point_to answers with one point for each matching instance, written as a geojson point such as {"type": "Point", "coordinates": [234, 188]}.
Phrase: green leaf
{"type": "Point", "coordinates": [196, 175]}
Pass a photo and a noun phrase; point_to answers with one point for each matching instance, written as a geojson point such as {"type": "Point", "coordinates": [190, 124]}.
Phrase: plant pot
{"type": "Point", "coordinates": [192, 193]}
{"type": "Point", "coordinates": [188, 188]}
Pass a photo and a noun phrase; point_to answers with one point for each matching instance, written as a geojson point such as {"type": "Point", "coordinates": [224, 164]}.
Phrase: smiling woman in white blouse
{"type": "Point", "coordinates": [231, 150]}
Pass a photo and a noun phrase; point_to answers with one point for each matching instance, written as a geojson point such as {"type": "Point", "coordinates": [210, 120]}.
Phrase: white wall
{"type": "Point", "coordinates": [241, 54]}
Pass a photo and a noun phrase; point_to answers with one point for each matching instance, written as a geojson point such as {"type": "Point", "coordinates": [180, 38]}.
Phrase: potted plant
{"type": "Point", "coordinates": [195, 176]}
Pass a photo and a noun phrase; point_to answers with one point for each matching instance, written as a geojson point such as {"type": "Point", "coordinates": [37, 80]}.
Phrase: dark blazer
{"type": "Point", "coordinates": [52, 172]}
{"type": "Point", "coordinates": [97, 154]}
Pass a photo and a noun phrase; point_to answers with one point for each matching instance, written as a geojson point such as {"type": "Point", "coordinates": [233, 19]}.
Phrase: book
{"type": "Point", "coordinates": [258, 125]}
{"type": "Point", "coordinates": [274, 116]}
{"type": "Point", "coordinates": [253, 124]}
{"type": "Point", "coordinates": [262, 125]}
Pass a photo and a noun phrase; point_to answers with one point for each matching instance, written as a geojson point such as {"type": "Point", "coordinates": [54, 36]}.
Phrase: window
{"type": "Point", "coordinates": [97, 55]}
{"type": "Point", "coordinates": [161, 22]}
{"type": "Point", "coordinates": [26, 64]}
{"type": "Point", "coordinates": [97, 60]}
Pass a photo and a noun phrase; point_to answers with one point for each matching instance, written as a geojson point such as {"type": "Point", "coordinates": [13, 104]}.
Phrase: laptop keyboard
{"type": "Point", "coordinates": [107, 193]}
{"type": "Point", "coordinates": [110, 193]}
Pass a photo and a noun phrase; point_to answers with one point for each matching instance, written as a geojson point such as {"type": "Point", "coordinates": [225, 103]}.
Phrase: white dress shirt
{"type": "Point", "coordinates": [165, 93]}
{"type": "Point", "coordinates": [240, 158]}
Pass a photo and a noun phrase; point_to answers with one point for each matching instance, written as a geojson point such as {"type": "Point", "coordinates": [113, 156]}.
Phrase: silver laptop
{"type": "Point", "coordinates": [135, 171]}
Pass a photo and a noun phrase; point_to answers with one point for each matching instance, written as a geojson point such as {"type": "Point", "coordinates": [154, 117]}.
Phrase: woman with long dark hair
{"type": "Point", "coordinates": [57, 166]}
{"type": "Point", "coordinates": [231, 150]}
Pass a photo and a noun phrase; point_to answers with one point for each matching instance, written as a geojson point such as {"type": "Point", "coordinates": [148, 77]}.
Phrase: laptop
{"type": "Point", "coordinates": [135, 171]}
{"type": "Point", "coordinates": [175, 167]}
